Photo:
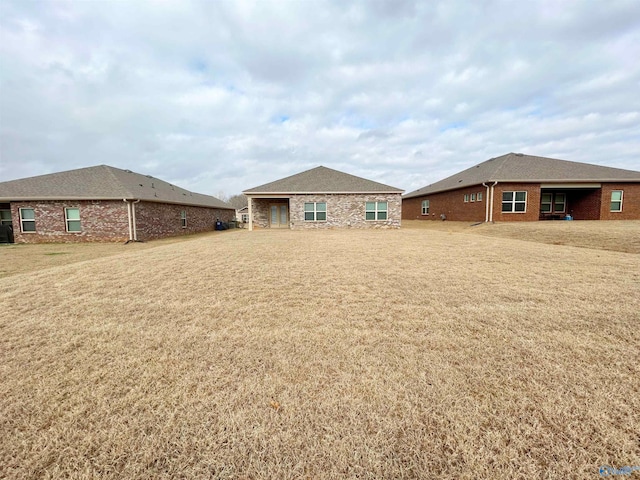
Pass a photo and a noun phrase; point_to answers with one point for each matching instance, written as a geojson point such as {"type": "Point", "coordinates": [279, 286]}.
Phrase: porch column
{"type": "Point", "coordinates": [250, 202]}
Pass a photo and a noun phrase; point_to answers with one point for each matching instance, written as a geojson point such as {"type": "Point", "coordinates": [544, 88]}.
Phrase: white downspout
{"type": "Point", "coordinates": [486, 213]}
{"type": "Point", "coordinates": [491, 208]}
{"type": "Point", "coordinates": [133, 211]}
{"type": "Point", "coordinates": [250, 200]}
{"type": "Point", "coordinates": [131, 215]}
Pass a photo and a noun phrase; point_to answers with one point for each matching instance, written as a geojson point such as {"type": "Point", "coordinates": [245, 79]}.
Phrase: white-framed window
{"type": "Point", "coordinates": [27, 220]}
{"type": "Point", "coordinates": [5, 217]}
{"type": "Point", "coordinates": [479, 196]}
{"type": "Point", "coordinates": [514, 202]}
{"type": "Point", "coordinates": [553, 202]}
{"type": "Point", "coordinates": [546, 200]}
{"type": "Point", "coordinates": [466, 198]}
{"type": "Point", "coordinates": [315, 211]}
{"type": "Point", "coordinates": [244, 218]}
{"type": "Point", "coordinates": [616, 201]}
{"type": "Point", "coordinates": [473, 197]}
{"type": "Point", "coordinates": [72, 219]}
{"type": "Point", "coordinates": [183, 218]}
{"type": "Point", "coordinates": [559, 203]}
{"type": "Point", "coordinates": [425, 207]}
{"type": "Point", "coordinates": [376, 210]}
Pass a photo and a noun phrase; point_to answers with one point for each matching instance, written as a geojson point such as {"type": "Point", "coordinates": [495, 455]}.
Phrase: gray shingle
{"type": "Point", "coordinates": [322, 180]}
{"type": "Point", "coordinates": [517, 167]}
{"type": "Point", "coordinates": [102, 183]}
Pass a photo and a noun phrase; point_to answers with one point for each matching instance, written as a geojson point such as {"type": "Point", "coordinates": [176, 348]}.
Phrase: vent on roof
{"type": "Point", "coordinates": [153, 185]}
{"type": "Point", "coordinates": [141, 185]}
{"type": "Point", "coordinates": [148, 176]}
{"type": "Point", "coordinates": [128, 171]}
{"type": "Point", "coordinates": [519, 154]}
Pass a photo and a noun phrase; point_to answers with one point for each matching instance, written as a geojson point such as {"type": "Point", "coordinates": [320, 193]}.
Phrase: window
{"type": "Point", "coordinates": [245, 218]}
{"type": "Point", "coordinates": [466, 197]}
{"type": "Point", "coordinates": [315, 212]}
{"type": "Point", "coordinates": [555, 201]}
{"type": "Point", "coordinates": [5, 217]}
{"type": "Point", "coordinates": [425, 207]}
{"type": "Point", "coordinates": [616, 201]}
{"type": "Point", "coordinates": [27, 220]}
{"type": "Point", "coordinates": [376, 211]}
{"type": "Point", "coordinates": [559, 203]}
{"type": "Point", "coordinates": [479, 196]}
{"type": "Point", "coordinates": [183, 218]}
{"type": "Point", "coordinates": [514, 202]}
{"type": "Point", "coordinates": [72, 217]}
{"type": "Point", "coordinates": [473, 197]}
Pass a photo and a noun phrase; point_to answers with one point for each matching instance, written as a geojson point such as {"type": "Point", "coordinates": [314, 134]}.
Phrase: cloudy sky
{"type": "Point", "coordinates": [222, 96]}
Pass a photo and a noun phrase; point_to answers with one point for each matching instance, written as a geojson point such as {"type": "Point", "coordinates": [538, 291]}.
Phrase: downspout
{"type": "Point", "coordinates": [131, 215]}
{"type": "Point", "coordinates": [491, 207]}
{"type": "Point", "coordinates": [486, 213]}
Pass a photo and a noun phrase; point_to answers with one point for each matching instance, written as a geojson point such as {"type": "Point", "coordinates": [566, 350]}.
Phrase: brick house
{"type": "Point", "coordinates": [518, 187]}
{"type": "Point", "coordinates": [324, 198]}
{"type": "Point", "coordinates": [102, 203]}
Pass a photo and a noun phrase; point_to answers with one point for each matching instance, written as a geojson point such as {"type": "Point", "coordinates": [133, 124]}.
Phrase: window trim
{"type": "Point", "coordinates": [473, 197]}
{"type": "Point", "coordinates": [183, 218]}
{"type": "Point", "coordinates": [616, 201]}
{"type": "Point", "coordinates": [315, 211]}
{"type": "Point", "coordinates": [479, 197]}
{"type": "Point", "coordinates": [22, 220]}
{"type": "Point", "coordinates": [466, 198]}
{"type": "Point", "coordinates": [67, 219]}
{"type": "Point", "coordinates": [513, 202]}
{"type": "Point", "coordinates": [425, 207]}
{"type": "Point", "coordinates": [564, 202]}
{"type": "Point", "coordinates": [376, 212]}
{"type": "Point", "coordinates": [8, 220]}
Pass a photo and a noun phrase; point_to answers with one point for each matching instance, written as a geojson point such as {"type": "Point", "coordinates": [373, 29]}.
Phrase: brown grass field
{"type": "Point", "coordinates": [435, 351]}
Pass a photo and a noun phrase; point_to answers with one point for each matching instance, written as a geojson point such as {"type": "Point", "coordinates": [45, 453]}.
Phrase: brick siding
{"type": "Point", "coordinates": [582, 204]}
{"type": "Point", "coordinates": [108, 221]}
{"type": "Point", "coordinates": [343, 211]}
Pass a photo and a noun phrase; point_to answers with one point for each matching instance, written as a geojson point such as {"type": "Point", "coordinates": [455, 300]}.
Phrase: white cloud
{"type": "Point", "coordinates": [228, 95]}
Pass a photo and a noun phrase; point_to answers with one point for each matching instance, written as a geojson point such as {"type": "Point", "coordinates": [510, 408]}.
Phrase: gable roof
{"type": "Point", "coordinates": [518, 167]}
{"type": "Point", "coordinates": [322, 180]}
{"type": "Point", "coordinates": [102, 183]}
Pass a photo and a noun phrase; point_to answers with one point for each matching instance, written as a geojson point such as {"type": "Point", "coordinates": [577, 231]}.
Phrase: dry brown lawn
{"type": "Point", "coordinates": [419, 353]}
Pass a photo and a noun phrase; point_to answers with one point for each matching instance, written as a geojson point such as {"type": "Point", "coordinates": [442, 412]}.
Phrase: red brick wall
{"type": "Point", "coordinates": [108, 221]}
{"type": "Point", "coordinates": [584, 204]}
{"type": "Point", "coordinates": [630, 201]}
{"type": "Point", "coordinates": [532, 213]}
{"type": "Point", "coordinates": [450, 203]}
{"type": "Point", "coordinates": [101, 221]}
{"type": "Point", "coordinates": [158, 220]}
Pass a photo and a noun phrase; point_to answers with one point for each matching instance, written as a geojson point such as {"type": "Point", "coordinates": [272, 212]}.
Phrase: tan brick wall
{"type": "Point", "coordinates": [346, 211]}
{"type": "Point", "coordinates": [108, 221]}
{"type": "Point", "coordinates": [343, 211]}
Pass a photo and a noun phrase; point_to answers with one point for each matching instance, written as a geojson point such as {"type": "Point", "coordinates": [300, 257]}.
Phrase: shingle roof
{"type": "Point", "coordinates": [102, 183]}
{"type": "Point", "coordinates": [322, 180]}
{"type": "Point", "coordinates": [517, 167]}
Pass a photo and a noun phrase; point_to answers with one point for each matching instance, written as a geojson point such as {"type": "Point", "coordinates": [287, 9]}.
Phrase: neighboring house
{"type": "Point", "coordinates": [103, 203]}
{"type": "Point", "coordinates": [324, 198]}
{"type": "Point", "coordinates": [525, 187]}
{"type": "Point", "coordinates": [242, 215]}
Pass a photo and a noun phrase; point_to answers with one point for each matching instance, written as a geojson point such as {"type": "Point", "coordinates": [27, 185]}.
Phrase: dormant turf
{"type": "Point", "coordinates": [418, 353]}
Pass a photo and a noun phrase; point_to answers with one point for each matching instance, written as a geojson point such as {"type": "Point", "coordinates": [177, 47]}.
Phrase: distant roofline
{"type": "Point", "coordinates": [104, 199]}
{"type": "Point", "coordinates": [319, 192]}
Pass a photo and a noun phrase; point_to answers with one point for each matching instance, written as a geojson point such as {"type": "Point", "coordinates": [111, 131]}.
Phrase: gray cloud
{"type": "Point", "coordinates": [224, 96]}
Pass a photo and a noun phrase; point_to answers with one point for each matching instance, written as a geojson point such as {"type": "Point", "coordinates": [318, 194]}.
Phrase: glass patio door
{"type": "Point", "coordinates": [279, 216]}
